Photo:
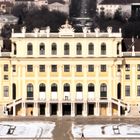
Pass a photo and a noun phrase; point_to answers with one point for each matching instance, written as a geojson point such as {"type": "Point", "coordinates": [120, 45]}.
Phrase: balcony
{"type": "Point", "coordinates": [6, 54]}
{"type": "Point", "coordinates": [79, 96]}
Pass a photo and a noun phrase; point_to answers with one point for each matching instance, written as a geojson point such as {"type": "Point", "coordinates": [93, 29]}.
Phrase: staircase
{"type": "Point", "coordinates": [119, 102]}
{"type": "Point", "coordinates": [133, 111]}
{"type": "Point", "coordinates": [1, 110]}
{"type": "Point", "coordinates": [15, 102]}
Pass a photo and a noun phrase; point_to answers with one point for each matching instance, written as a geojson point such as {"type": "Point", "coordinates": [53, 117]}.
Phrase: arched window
{"type": "Point", "coordinates": [91, 87]}
{"type": "Point", "coordinates": [66, 87]}
{"type": "Point", "coordinates": [118, 50]}
{"type": "Point", "coordinates": [42, 49]}
{"type": "Point", "coordinates": [103, 49]}
{"type": "Point", "coordinates": [29, 49]}
{"type": "Point", "coordinates": [30, 91]}
{"type": "Point", "coordinates": [103, 90]}
{"type": "Point", "coordinates": [15, 48]}
{"type": "Point", "coordinates": [90, 49]}
{"type": "Point", "coordinates": [79, 49]}
{"type": "Point", "coordinates": [79, 87]}
{"type": "Point", "coordinates": [54, 49]}
{"type": "Point", "coordinates": [66, 49]}
{"type": "Point", "coordinates": [54, 87]}
{"type": "Point", "coordinates": [42, 87]}
{"type": "Point", "coordinates": [14, 91]}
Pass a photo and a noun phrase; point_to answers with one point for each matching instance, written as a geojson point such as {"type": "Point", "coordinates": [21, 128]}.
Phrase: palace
{"type": "Point", "coordinates": [69, 73]}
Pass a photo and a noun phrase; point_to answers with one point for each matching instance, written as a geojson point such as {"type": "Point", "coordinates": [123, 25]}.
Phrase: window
{"type": "Point", "coordinates": [90, 49]}
{"type": "Point", "coordinates": [66, 49]}
{"type": "Point", "coordinates": [29, 68]}
{"type": "Point", "coordinates": [6, 91]}
{"type": "Point", "coordinates": [66, 68]}
{"type": "Point", "coordinates": [54, 49]}
{"type": "Point", "coordinates": [42, 87]}
{"type": "Point", "coordinates": [5, 67]}
{"type": "Point", "coordinates": [79, 87]}
{"type": "Point", "coordinates": [118, 68]}
{"type": "Point", "coordinates": [138, 90]}
{"type": "Point", "coordinates": [41, 68]}
{"type": "Point", "coordinates": [90, 68]}
{"type": "Point", "coordinates": [127, 67]}
{"type": "Point", "coordinates": [29, 49]}
{"type": "Point", "coordinates": [54, 87]}
{"type": "Point", "coordinates": [5, 77]}
{"type": "Point", "coordinates": [66, 87]}
{"type": "Point", "coordinates": [15, 48]}
{"type": "Point", "coordinates": [138, 67]}
{"type": "Point", "coordinates": [79, 49]}
{"type": "Point", "coordinates": [14, 68]}
{"type": "Point", "coordinates": [90, 87]}
{"type": "Point", "coordinates": [42, 49]}
{"type": "Point", "coordinates": [30, 91]}
{"type": "Point", "coordinates": [118, 51]}
{"type": "Point", "coordinates": [138, 77]}
{"type": "Point", "coordinates": [127, 77]}
{"type": "Point", "coordinates": [127, 90]}
{"type": "Point", "coordinates": [103, 91]}
{"type": "Point", "coordinates": [54, 68]}
{"type": "Point", "coordinates": [103, 49]}
{"type": "Point", "coordinates": [78, 68]}
{"type": "Point", "coordinates": [103, 68]}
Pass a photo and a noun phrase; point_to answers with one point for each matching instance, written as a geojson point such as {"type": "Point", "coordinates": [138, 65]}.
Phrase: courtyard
{"type": "Point", "coordinates": [68, 128]}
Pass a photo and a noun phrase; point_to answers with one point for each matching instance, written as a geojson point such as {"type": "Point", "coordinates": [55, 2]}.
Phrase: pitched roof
{"type": "Point", "coordinates": [119, 1]}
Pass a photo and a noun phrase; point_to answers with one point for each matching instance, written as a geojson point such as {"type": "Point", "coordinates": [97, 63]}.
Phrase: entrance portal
{"type": "Point", "coordinates": [79, 109]}
{"type": "Point", "coordinates": [42, 109]}
{"type": "Point", "coordinates": [54, 108]}
{"type": "Point", "coordinates": [103, 109]}
{"type": "Point", "coordinates": [66, 109]}
{"type": "Point", "coordinates": [90, 109]}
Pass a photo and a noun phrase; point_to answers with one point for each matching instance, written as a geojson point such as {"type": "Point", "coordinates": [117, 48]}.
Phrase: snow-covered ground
{"type": "Point", "coordinates": [26, 129]}
{"type": "Point", "coordinates": [108, 130]}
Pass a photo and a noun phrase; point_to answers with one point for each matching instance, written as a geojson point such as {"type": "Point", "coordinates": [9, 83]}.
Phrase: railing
{"type": "Point", "coordinates": [131, 54]}
{"type": "Point", "coordinates": [5, 54]}
{"type": "Point", "coordinates": [119, 101]}
{"type": "Point", "coordinates": [30, 98]}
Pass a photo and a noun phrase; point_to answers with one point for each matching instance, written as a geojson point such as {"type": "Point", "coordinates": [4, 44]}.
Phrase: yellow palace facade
{"type": "Point", "coordinates": [68, 73]}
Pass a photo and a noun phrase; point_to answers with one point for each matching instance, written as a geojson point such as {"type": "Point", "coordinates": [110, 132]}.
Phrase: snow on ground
{"type": "Point", "coordinates": [26, 129]}
{"type": "Point", "coordinates": [107, 130]}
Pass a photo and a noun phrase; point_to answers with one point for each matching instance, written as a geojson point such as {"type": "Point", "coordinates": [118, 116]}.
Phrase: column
{"type": "Point", "coordinates": [72, 109]}
{"type": "Point", "coordinates": [48, 86]}
{"type": "Point", "coordinates": [35, 109]}
{"type": "Point", "coordinates": [18, 86]}
{"type": "Point", "coordinates": [24, 86]}
{"type": "Point", "coordinates": [23, 109]}
{"type": "Point", "coordinates": [60, 89]}
{"type": "Point", "coordinates": [84, 113]}
{"type": "Point", "coordinates": [72, 86]}
{"type": "Point", "coordinates": [36, 91]}
{"type": "Point", "coordinates": [85, 91]}
{"type": "Point", "coordinates": [119, 108]}
{"type": "Point", "coordinates": [110, 83]}
{"type": "Point", "coordinates": [97, 109]}
{"type": "Point", "coordinates": [97, 93]}
{"type": "Point", "coordinates": [14, 108]}
{"type": "Point", "coordinates": [109, 109]}
{"type": "Point", "coordinates": [47, 110]}
{"type": "Point", "coordinates": [59, 112]}
{"type": "Point", "coordinates": [133, 92]}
